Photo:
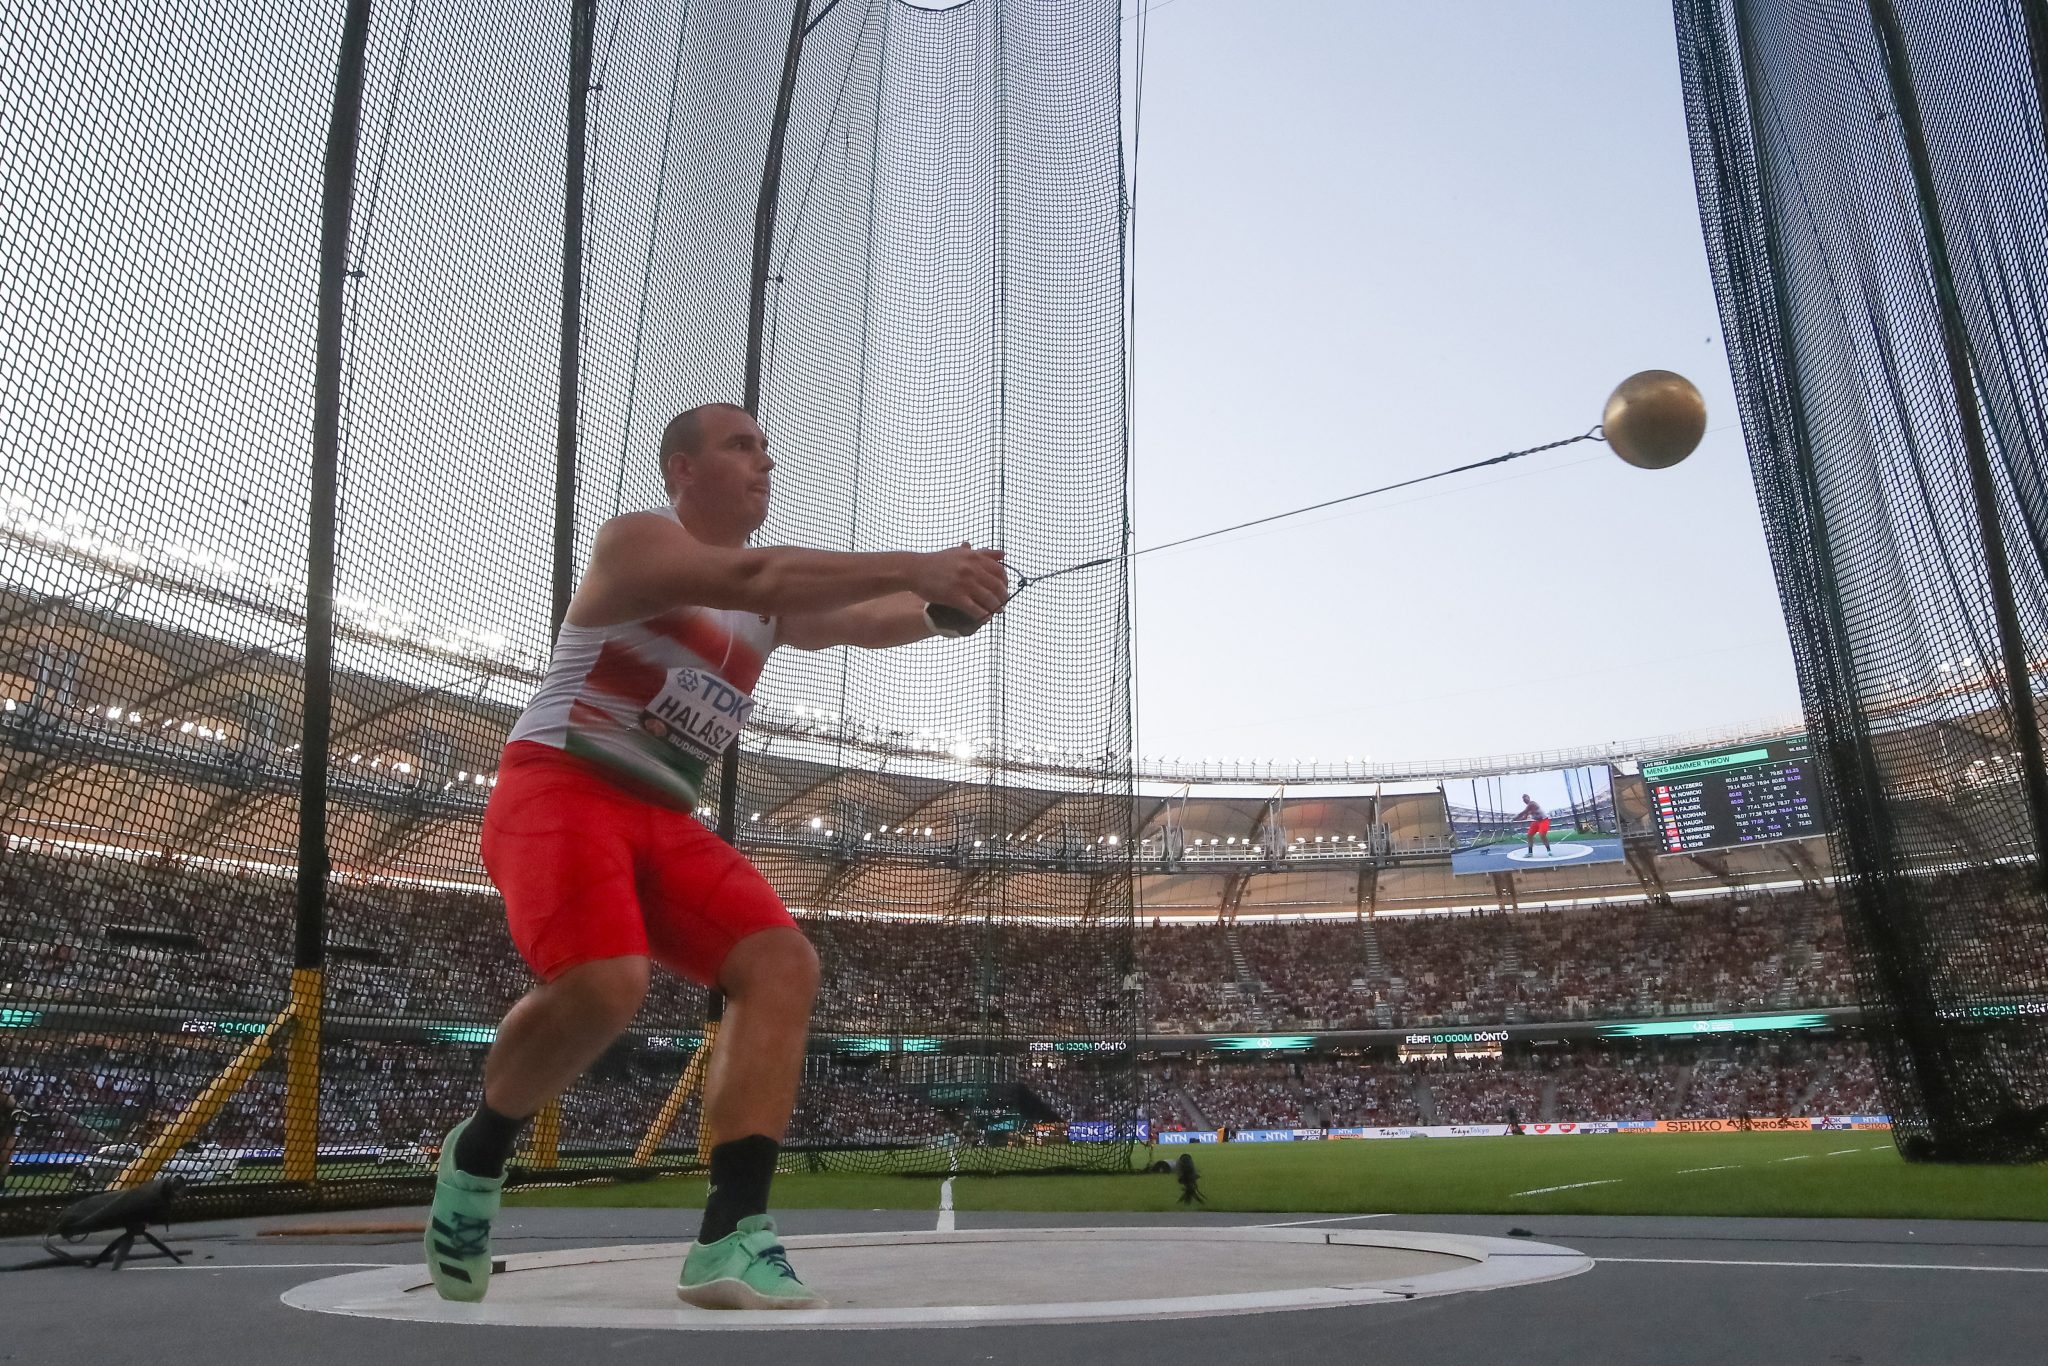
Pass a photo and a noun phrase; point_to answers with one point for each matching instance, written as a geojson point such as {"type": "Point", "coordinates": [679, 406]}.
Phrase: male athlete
{"type": "Point", "coordinates": [590, 836]}
{"type": "Point", "coordinates": [1539, 824]}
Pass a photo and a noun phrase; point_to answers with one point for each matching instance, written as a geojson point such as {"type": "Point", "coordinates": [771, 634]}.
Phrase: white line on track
{"type": "Point", "coordinates": [1877, 1147]}
{"type": "Point", "coordinates": [1333, 1219]}
{"type": "Point", "coordinates": [1841, 1266]}
{"type": "Point", "coordinates": [1839, 1151]}
{"type": "Point", "coordinates": [1797, 1157]}
{"type": "Point", "coordinates": [1725, 1167]}
{"type": "Point", "coordinates": [946, 1205]}
{"type": "Point", "coordinates": [1576, 1185]}
{"type": "Point", "coordinates": [254, 1266]}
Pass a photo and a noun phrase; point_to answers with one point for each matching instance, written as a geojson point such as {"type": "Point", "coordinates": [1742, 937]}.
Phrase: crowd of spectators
{"type": "Point", "coordinates": [931, 977]}
{"type": "Point", "coordinates": [1783, 1079]}
{"type": "Point", "coordinates": [842, 1105]}
{"type": "Point", "coordinates": [1712, 956]}
{"type": "Point", "coordinates": [1086, 1093]}
{"type": "Point", "coordinates": [1355, 1093]}
{"type": "Point", "coordinates": [118, 931]}
{"type": "Point", "coordinates": [1189, 983]}
{"type": "Point", "coordinates": [1749, 1083]}
{"type": "Point", "coordinates": [1589, 1083]}
{"type": "Point", "coordinates": [115, 930]}
{"type": "Point", "coordinates": [1848, 1084]}
{"type": "Point", "coordinates": [384, 1097]}
{"type": "Point", "coordinates": [107, 1089]}
{"type": "Point", "coordinates": [1719, 955]}
{"type": "Point", "coordinates": [1245, 1095]}
{"type": "Point", "coordinates": [216, 941]}
{"type": "Point", "coordinates": [1830, 973]}
{"type": "Point", "coordinates": [1593, 1086]}
{"type": "Point", "coordinates": [66, 923]}
{"type": "Point", "coordinates": [1310, 975]}
{"type": "Point", "coordinates": [1764, 1079]}
{"type": "Point", "coordinates": [1484, 1092]}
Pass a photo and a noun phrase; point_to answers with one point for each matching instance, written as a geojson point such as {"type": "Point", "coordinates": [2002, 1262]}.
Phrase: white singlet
{"type": "Point", "coordinates": [652, 701]}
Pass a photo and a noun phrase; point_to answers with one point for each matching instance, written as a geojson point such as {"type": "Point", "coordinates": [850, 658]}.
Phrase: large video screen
{"type": "Point", "coordinates": [1746, 794]}
{"type": "Point", "coordinates": [1520, 821]}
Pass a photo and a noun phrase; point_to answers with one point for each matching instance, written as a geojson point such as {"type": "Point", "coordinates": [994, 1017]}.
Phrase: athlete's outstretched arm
{"type": "Point", "coordinates": [644, 564]}
{"type": "Point", "coordinates": [894, 620]}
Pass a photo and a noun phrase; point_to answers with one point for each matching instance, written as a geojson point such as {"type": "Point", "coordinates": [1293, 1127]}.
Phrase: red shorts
{"type": "Point", "coordinates": [1541, 827]}
{"type": "Point", "coordinates": [589, 871]}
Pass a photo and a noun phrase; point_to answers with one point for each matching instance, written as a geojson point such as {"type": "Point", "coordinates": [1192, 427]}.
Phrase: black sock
{"type": "Point", "coordinates": [740, 1173]}
{"type": "Point", "coordinates": [487, 1142]}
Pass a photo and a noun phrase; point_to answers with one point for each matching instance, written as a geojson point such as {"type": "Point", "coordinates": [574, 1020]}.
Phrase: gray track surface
{"type": "Point", "coordinates": [226, 1311]}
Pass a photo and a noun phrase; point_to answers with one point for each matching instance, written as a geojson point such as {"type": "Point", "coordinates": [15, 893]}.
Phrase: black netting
{"type": "Point", "coordinates": [1875, 198]}
{"type": "Point", "coordinates": [942, 359]}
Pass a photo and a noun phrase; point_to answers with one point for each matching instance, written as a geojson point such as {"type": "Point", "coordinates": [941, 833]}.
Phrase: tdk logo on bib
{"type": "Point", "coordinates": [697, 711]}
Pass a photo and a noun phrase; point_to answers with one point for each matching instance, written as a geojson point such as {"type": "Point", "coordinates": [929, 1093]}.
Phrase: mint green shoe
{"type": "Point", "coordinates": [458, 1238]}
{"type": "Point", "coordinates": [746, 1269]}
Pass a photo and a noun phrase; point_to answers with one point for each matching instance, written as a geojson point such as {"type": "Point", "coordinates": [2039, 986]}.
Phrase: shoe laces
{"type": "Point", "coordinates": [774, 1255]}
{"type": "Point", "coordinates": [468, 1235]}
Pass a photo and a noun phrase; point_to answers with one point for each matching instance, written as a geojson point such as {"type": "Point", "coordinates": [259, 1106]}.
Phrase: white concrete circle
{"type": "Point", "coordinates": [996, 1276]}
{"type": "Point", "coordinates": [1557, 853]}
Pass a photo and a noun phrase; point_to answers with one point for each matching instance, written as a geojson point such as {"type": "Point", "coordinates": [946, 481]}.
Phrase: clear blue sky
{"type": "Point", "coordinates": [1376, 240]}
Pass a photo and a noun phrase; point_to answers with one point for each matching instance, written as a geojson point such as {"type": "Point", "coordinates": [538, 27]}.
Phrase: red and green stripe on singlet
{"type": "Point", "coordinates": [602, 679]}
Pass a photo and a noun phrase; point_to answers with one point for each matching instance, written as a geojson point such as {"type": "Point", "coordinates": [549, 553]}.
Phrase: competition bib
{"type": "Point", "coordinates": [697, 712]}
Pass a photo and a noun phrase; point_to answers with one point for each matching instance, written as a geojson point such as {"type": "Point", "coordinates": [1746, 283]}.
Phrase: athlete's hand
{"type": "Point", "coordinates": [964, 578]}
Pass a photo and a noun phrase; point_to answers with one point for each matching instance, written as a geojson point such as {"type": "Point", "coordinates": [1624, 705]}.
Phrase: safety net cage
{"type": "Point", "coordinates": [330, 334]}
{"type": "Point", "coordinates": [1873, 188]}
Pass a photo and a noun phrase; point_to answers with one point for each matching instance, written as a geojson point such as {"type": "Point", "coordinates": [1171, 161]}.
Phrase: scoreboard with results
{"type": "Point", "coordinates": [1731, 797]}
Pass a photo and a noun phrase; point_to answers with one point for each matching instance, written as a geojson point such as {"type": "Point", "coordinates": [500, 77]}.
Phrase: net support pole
{"type": "Point", "coordinates": [757, 317]}
{"type": "Point", "coordinates": [199, 1112]}
{"type": "Point", "coordinates": [337, 209]}
{"type": "Point", "coordinates": [703, 1056]}
{"type": "Point", "coordinates": [764, 207]}
{"type": "Point", "coordinates": [544, 1139]}
{"type": "Point", "coordinates": [2034, 14]}
{"type": "Point", "coordinates": [687, 1085]}
{"type": "Point", "coordinates": [750, 399]}
{"type": "Point", "coordinates": [302, 1078]}
{"type": "Point", "coordinates": [583, 28]}
{"type": "Point", "coordinates": [1955, 342]}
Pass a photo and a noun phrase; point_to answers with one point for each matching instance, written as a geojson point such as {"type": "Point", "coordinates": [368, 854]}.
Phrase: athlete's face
{"type": "Point", "coordinates": [726, 478]}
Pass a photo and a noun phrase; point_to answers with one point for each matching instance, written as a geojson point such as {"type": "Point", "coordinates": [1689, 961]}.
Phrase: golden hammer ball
{"type": "Point", "coordinates": [1654, 419]}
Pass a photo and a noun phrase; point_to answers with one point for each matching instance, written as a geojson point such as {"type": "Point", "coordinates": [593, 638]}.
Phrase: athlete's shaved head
{"type": "Point", "coordinates": [715, 468]}
{"type": "Point", "coordinates": [685, 433]}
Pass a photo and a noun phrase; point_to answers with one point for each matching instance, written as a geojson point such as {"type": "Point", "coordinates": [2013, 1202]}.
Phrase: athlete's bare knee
{"type": "Point", "coordinates": [609, 989]}
{"type": "Point", "coordinates": [776, 965]}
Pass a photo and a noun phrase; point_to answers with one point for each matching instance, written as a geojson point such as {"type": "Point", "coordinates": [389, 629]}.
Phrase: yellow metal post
{"type": "Point", "coordinates": [302, 1080]}
{"type": "Point", "coordinates": [704, 1111]}
{"type": "Point", "coordinates": [207, 1103]}
{"type": "Point", "coordinates": [543, 1147]}
{"type": "Point", "coordinates": [686, 1086]}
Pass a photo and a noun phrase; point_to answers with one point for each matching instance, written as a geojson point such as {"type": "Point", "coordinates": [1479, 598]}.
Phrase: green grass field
{"type": "Point", "coordinates": [1795, 1174]}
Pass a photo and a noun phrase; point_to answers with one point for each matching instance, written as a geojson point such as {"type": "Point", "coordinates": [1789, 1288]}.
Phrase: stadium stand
{"type": "Point", "coordinates": [1596, 1086]}
{"type": "Point", "coordinates": [1483, 1093]}
{"type": "Point", "coordinates": [219, 938]}
{"type": "Point", "coordinates": [95, 930]}
{"type": "Point", "coordinates": [1355, 1092]}
{"type": "Point", "coordinates": [1246, 1095]}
